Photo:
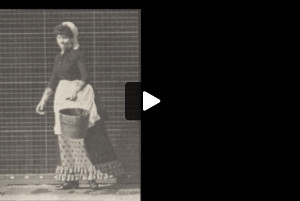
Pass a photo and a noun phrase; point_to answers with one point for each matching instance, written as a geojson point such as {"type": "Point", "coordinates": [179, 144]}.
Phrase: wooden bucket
{"type": "Point", "coordinates": [74, 122]}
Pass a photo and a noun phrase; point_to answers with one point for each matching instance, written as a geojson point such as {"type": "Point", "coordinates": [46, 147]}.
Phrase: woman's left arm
{"type": "Point", "coordinates": [82, 68]}
{"type": "Point", "coordinates": [84, 75]}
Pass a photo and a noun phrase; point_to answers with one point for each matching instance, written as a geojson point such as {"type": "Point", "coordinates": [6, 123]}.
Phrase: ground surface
{"type": "Point", "coordinates": [106, 192]}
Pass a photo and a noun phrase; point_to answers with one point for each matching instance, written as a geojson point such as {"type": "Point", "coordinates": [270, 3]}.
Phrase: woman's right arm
{"type": "Point", "coordinates": [48, 91]}
{"type": "Point", "coordinates": [53, 82]}
{"type": "Point", "coordinates": [40, 108]}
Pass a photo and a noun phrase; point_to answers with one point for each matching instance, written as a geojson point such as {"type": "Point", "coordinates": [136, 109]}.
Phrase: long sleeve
{"type": "Point", "coordinates": [83, 68]}
{"type": "Point", "coordinates": [53, 82]}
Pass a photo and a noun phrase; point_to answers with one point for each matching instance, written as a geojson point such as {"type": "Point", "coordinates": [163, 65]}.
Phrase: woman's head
{"type": "Point", "coordinates": [64, 41]}
{"type": "Point", "coordinates": [66, 35]}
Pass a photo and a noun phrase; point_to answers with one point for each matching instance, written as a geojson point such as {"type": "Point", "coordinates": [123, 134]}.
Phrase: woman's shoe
{"type": "Point", "coordinates": [93, 185]}
{"type": "Point", "coordinates": [69, 185]}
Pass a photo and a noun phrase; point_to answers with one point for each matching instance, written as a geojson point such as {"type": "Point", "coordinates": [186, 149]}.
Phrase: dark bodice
{"type": "Point", "coordinates": [68, 66]}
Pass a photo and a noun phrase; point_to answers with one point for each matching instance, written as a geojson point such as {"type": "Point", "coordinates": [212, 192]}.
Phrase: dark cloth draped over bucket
{"type": "Point", "coordinates": [97, 143]}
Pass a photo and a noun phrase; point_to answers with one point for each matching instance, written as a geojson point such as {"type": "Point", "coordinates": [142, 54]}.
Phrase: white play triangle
{"type": "Point", "coordinates": [149, 101]}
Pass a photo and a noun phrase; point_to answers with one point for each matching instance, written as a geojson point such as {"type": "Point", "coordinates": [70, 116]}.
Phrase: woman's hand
{"type": "Point", "coordinates": [40, 108]}
{"type": "Point", "coordinates": [73, 97]}
{"type": "Point", "coordinates": [77, 88]}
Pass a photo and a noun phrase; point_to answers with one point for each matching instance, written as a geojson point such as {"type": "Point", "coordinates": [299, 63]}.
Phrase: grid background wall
{"type": "Point", "coordinates": [110, 40]}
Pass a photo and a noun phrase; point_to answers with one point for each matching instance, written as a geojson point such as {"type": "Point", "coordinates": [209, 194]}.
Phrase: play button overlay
{"type": "Point", "coordinates": [137, 101]}
{"type": "Point", "coordinates": [149, 101]}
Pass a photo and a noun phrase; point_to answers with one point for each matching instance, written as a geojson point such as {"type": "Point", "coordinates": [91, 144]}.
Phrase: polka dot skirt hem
{"type": "Point", "coordinates": [76, 165]}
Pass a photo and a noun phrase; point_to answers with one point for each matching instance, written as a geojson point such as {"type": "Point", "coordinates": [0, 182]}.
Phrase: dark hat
{"type": "Point", "coordinates": [63, 29]}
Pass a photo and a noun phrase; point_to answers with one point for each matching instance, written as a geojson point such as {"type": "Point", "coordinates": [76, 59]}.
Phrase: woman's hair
{"type": "Point", "coordinates": [70, 30]}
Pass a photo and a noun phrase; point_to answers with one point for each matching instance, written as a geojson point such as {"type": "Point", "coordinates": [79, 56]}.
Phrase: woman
{"type": "Point", "coordinates": [90, 158]}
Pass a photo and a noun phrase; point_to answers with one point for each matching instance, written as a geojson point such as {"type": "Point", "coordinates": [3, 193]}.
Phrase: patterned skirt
{"type": "Point", "coordinates": [91, 158]}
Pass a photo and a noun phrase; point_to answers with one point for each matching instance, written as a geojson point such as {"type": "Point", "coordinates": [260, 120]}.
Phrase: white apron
{"type": "Point", "coordinates": [85, 100]}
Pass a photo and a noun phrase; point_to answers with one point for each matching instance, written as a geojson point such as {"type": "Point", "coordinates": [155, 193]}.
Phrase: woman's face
{"type": "Point", "coordinates": [63, 41]}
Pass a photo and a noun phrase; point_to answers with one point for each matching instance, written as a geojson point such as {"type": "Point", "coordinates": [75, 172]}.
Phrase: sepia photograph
{"type": "Point", "coordinates": [64, 134]}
